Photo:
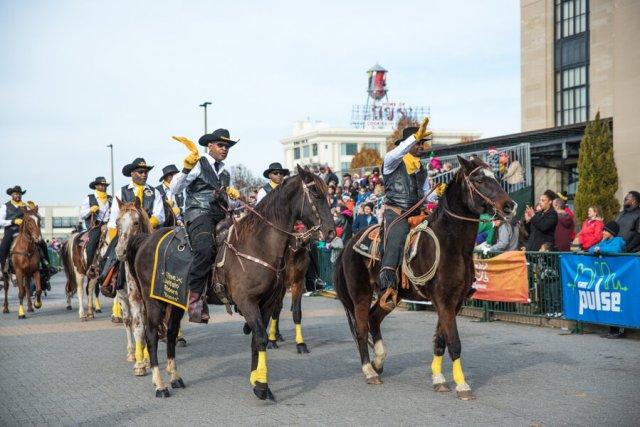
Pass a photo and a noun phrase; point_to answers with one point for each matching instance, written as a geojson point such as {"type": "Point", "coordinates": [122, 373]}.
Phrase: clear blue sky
{"type": "Point", "coordinates": [78, 75]}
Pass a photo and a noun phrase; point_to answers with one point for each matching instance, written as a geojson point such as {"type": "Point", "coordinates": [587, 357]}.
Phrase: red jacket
{"type": "Point", "coordinates": [591, 233]}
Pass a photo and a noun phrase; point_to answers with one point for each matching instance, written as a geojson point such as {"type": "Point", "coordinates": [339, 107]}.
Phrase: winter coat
{"type": "Point", "coordinates": [564, 232]}
{"type": "Point", "coordinates": [541, 228]}
{"type": "Point", "coordinates": [514, 174]}
{"type": "Point", "coordinates": [361, 222]}
{"type": "Point", "coordinates": [614, 245]}
{"type": "Point", "coordinates": [591, 233]}
{"type": "Point", "coordinates": [629, 222]}
{"type": "Point", "coordinates": [507, 238]}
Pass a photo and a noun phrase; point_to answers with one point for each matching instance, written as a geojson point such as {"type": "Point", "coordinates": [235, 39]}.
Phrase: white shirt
{"type": "Point", "coordinates": [101, 216]}
{"type": "Point", "coordinates": [394, 157]}
{"type": "Point", "coordinates": [262, 193]}
{"type": "Point", "coordinates": [4, 222]}
{"type": "Point", "coordinates": [158, 207]}
{"type": "Point", "coordinates": [182, 180]}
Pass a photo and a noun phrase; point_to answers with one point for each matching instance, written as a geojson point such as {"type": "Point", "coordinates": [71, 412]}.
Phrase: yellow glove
{"type": "Point", "coordinates": [191, 146]}
{"type": "Point", "coordinates": [233, 193]}
{"type": "Point", "coordinates": [440, 189]}
{"type": "Point", "coordinates": [193, 157]}
{"type": "Point", "coordinates": [422, 132]}
{"type": "Point", "coordinates": [191, 160]}
{"type": "Point", "coordinates": [176, 210]}
{"type": "Point", "coordinates": [94, 209]}
{"type": "Point", "coordinates": [154, 222]}
{"type": "Point", "coordinates": [17, 221]}
{"type": "Point", "coordinates": [111, 233]}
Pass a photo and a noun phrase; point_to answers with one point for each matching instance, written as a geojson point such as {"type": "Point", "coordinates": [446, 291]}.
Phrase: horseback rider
{"type": "Point", "coordinates": [173, 203]}
{"type": "Point", "coordinates": [46, 270]}
{"type": "Point", "coordinates": [275, 173]}
{"type": "Point", "coordinates": [405, 182]}
{"type": "Point", "coordinates": [10, 220]}
{"type": "Point", "coordinates": [95, 211]}
{"type": "Point", "coordinates": [204, 177]}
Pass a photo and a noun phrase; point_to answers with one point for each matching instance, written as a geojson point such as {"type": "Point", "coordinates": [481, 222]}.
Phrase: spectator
{"type": "Point", "coordinates": [375, 176]}
{"type": "Point", "coordinates": [336, 245]}
{"type": "Point", "coordinates": [447, 167]}
{"type": "Point", "coordinates": [362, 196]}
{"type": "Point", "coordinates": [507, 236]}
{"type": "Point", "coordinates": [515, 173]}
{"type": "Point", "coordinates": [541, 225]}
{"type": "Point", "coordinates": [629, 221]}
{"type": "Point", "coordinates": [611, 243]}
{"type": "Point", "coordinates": [493, 160]}
{"type": "Point", "coordinates": [366, 219]}
{"type": "Point", "coordinates": [565, 229]}
{"type": "Point", "coordinates": [331, 196]}
{"type": "Point", "coordinates": [345, 220]}
{"type": "Point", "coordinates": [330, 176]}
{"type": "Point", "coordinates": [485, 229]}
{"type": "Point", "coordinates": [591, 231]}
{"type": "Point", "coordinates": [346, 180]}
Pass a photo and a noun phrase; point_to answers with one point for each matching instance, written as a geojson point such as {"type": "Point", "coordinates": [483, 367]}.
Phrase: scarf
{"type": "Point", "coordinates": [411, 163]}
{"type": "Point", "coordinates": [138, 190]}
{"type": "Point", "coordinates": [272, 184]}
{"type": "Point", "coordinates": [101, 196]}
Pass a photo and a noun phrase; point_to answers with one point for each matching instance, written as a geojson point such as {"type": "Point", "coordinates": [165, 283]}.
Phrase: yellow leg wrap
{"type": "Point", "coordinates": [458, 375]}
{"type": "Point", "coordinates": [20, 310]}
{"type": "Point", "coordinates": [180, 333]}
{"type": "Point", "coordinates": [139, 352]}
{"type": "Point", "coordinates": [145, 353]}
{"type": "Point", "coordinates": [436, 365]}
{"type": "Point", "coordinates": [260, 374]}
{"type": "Point", "coordinates": [273, 327]}
{"type": "Point", "coordinates": [299, 339]}
{"type": "Point", "coordinates": [96, 304]}
{"type": "Point", "coordinates": [116, 311]}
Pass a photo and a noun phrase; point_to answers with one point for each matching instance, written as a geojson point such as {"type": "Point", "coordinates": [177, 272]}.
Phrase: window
{"type": "Point", "coordinates": [306, 151]}
{"type": "Point", "coordinates": [571, 96]}
{"type": "Point", "coordinates": [314, 149]}
{"type": "Point", "coordinates": [64, 221]}
{"type": "Point", "coordinates": [296, 153]}
{"type": "Point", "coordinates": [345, 166]}
{"type": "Point", "coordinates": [372, 145]}
{"type": "Point", "coordinates": [349, 149]}
{"type": "Point", "coordinates": [571, 17]}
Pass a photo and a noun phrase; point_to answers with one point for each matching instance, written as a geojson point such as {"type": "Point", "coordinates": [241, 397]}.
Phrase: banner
{"type": "Point", "coordinates": [502, 278]}
{"type": "Point", "coordinates": [601, 289]}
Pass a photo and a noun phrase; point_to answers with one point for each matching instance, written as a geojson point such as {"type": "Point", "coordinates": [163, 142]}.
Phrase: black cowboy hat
{"type": "Point", "coordinates": [99, 180]}
{"type": "Point", "coordinates": [273, 167]}
{"type": "Point", "coordinates": [138, 163]}
{"type": "Point", "coordinates": [16, 189]}
{"type": "Point", "coordinates": [168, 170]}
{"type": "Point", "coordinates": [218, 135]}
{"type": "Point", "coordinates": [407, 132]}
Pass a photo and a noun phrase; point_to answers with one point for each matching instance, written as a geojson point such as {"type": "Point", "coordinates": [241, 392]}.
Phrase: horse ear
{"type": "Point", "coordinates": [119, 202]}
{"type": "Point", "coordinates": [137, 203]}
{"type": "Point", "coordinates": [466, 164]}
{"type": "Point", "coordinates": [301, 171]}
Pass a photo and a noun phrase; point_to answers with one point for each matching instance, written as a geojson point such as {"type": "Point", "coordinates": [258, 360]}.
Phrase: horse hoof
{"type": "Point", "coordinates": [181, 342]}
{"type": "Point", "coordinates": [374, 380]}
{"type": "Point", "coordinates": [30, 309]}
{"type": "Point", "coordinates": [5, 310]}
{"type": "Point", "coordinates": [279, 337]}
{"type": "Point", "coordinates": [115, 319]}
{"type": "Point", "coordinates": [140, 372]}
{"type": "Point", "coordinates": [83, 319]}
{"type": "Point", "coordinates": [441, 388]}
{"type": "Point", "coordinates": [263, 392]}
{"type": "Point", "coordinates": [22, 316]}
{"type": "Point", "coordinates": [37, 305]}
{"type": "Point", "coordinates": [147, 364]}
{"type": "Point", "coordinates": [69, 308]}
{"type": "Point", "coordinates": [131, 358]}
{"type": "Point", "coordinates": [177, 383]}
{"type": "Point", "coordinates": [98, 310]}
{"type": "Point", "coordinates": [466, 395]}
{"type": "Point", "coordinates": [378, 370]}
{"type": "Point", "coordinates": [163, 392]}
{"type": "Point", "coordinates": [90, 316]}
{"type": "Point", "coordinates": [272, 344]}
{"type": "Point", "coordinates": [246, 329]}
{"type": "Point", "coordinates": [302, 348]}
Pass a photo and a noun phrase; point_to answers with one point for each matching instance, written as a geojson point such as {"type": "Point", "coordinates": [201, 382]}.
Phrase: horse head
{"type": "Point", "coordinates": [132, 220]}
{"type": "Point", "coordinates": [30, 225]}
{"type": "Point", "coordinates": [482, 191]}
{"type": "Point", "coordinates": [315, 211]}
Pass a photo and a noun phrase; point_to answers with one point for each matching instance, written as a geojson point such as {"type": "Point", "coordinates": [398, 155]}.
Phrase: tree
{"type": "Point", "coordinates": [403, 123]}
{"type": "Point", "coordinates": [598, 181]}
{"type": "Point", "coordinates": [366, 157]}
{"type": "Point", "coordinates": [243, 179]}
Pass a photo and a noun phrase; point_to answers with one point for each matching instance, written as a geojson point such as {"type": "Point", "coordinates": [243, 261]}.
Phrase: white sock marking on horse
{"type": "Point", "coordinates": [368, 371]}
{"type": "Point", "coordinates": [463, 387]}
{"type": "Point", "coordinates": [157, 378]}
{"type": "Point", "coordinates": [380, 352]}
{"type": "Point", "coordinates": [438, 379]}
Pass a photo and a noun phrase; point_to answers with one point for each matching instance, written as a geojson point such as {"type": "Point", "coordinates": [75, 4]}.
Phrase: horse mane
{"type": "Point", "coordinates": [145, 225]}
{"type": "Point", "coordinates": [27, 221]}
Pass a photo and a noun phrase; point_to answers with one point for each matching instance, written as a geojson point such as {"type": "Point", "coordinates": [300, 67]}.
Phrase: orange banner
{"type": "Point", "coordinates": [502, 278]}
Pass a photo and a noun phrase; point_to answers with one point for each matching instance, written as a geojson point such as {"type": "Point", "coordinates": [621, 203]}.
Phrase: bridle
{"type": "Point", "coordinates": [26, 234]}
{"type": "Point", "coordinates": [472, 189]}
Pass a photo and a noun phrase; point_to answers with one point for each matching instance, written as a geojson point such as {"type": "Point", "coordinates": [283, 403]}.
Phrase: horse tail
{"type": "Point", "coordinates": [342, 290]}
{"type": "Point", "coordinates": [67, 264]}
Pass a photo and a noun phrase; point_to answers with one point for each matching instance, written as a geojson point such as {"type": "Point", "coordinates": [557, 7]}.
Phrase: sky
{"type": "Point", "coordinates": [76, 76]}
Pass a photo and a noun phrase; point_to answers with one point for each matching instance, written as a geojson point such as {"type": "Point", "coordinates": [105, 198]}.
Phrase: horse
{"type": "Point", "coordinates": [249, 265]}
{"type": "Point", "coordinates": [472, 191]}
{"type": "Point", "coordinates": [74, 262]}
{"type": "Point", "coordinates": [25, 262]}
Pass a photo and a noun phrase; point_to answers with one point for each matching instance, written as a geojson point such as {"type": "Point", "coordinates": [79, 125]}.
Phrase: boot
{"type": "Point", "coordinates": [198, 309]}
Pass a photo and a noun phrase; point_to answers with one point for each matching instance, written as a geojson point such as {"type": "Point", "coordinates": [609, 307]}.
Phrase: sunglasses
{"type": "Point", "coordinates": [141, 171]}
{"type": "Point", "coordinates": [278, 173]}
{"type": "Point", "coordinates": [222, 145]}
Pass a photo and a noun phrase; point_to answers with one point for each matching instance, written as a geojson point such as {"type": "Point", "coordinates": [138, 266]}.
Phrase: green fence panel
{"type": "Point", "coordinates": [322, 257]}
{"type": "Point", "coordinates": [54, 257]}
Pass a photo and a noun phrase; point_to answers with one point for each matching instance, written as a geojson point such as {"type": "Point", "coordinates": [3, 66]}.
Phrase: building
{"type": "Point", "coordinates": [580, 57]}
{"type": "Point", "coordinates": [58, 221]}
{"type": "Point", "coordinates": [318, 143]}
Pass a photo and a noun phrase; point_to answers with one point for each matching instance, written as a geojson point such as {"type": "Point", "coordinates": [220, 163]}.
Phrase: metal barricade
{"type": "Point", "coordinates": [54, 257]}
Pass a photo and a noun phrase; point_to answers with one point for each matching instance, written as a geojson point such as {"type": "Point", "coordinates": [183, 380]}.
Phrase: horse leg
{"type": "Point", "coordinates": [26, 282]}
{"type": "Point", "coordinates": [155, 316]}
{"type": "Point", "coordinates": [123, 300]}
{"type": "Point", "coordinates": [137, 324]}
{"type": "Point", "coordinates": [361, 311]}
{"type": "Point", "coordinates": [5, 278]}
{"type": "Point", "coordinates": [90, 294]}
{"type": "Point", "coordinates": [274, 329]}
{"type": "Point", "coordinates": [36, 279]}
{"type": "Point", "coordinates": [259, 371]}
{"type": "Point", "coordinates": [376, 316]}
{"type": "Point", "coordinates": [21, 291]}
{"type": "Point", "coordinates": [80, 292]}
{"type": "Point", "coordinates": [96, 298]}
{"type": "Point", "coordinates": [172, 335]}
{"type": "Point", "coordinates": [449, 327]}
{"type": "Point", "coordinates": [296, 309]}
{"type": "Point", "coordinates": [439, 346]}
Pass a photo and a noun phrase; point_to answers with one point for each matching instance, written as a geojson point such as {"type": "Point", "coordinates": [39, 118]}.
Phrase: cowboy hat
{"type": "Point", "coordinates": [138, 163]}
{"type": "Point", "coordinates": [273, 167]}
{"type": "Point", "coordinates": [15, 189]}
{"type": "Point", "coordinates": [407, 132]}
{"type": "Point", "coordinates": [218, 135]}
{"type": "Point", "coordinates": [168, 170]}
{"type": "Point", "coordinates": [99, 180]}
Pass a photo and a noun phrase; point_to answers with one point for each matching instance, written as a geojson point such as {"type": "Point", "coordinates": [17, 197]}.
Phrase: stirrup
{"type": "Point", "coordinates": [383, 299]}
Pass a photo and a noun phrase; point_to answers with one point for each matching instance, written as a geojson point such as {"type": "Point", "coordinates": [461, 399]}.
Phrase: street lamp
{"type": "Point", "coordinates": [204, 105]}
{"type": "Point", "coordinates": [113, 184]}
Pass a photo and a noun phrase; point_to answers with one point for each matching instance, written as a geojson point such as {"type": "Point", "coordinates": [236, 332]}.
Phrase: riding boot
{"type": "Point", "coordinates": [198, 309]}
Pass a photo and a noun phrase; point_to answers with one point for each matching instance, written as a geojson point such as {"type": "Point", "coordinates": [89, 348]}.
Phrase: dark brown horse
{"type": "Point", "coordinates": [253, 257]}
{"type": "Point", "coordinates": [25, 262]}
{"type": "Point", "coordinates": [473, 191]}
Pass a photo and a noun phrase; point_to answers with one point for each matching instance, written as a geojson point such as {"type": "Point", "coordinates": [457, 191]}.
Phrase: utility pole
{"type": "Point", "coordinates": [204, 105]}
{"type": "Point", "coordinates": [113, 184]}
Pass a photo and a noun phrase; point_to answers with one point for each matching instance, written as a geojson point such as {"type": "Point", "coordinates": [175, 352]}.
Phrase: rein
{"type": "Point", "coordinates": [473, 189]}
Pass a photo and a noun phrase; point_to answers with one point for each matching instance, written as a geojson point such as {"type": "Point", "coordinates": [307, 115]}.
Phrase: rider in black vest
{"type": "Point", "coordinates": [405, 182]}
{"type": "Point", "coordinates": [10, 220]}
{"type": "Point", "coordinates": [95, 212]}
{"type": "Point", "coordinates": [204, 178]}
{"type": "Point", "coordinates": [173, 203]}
{"type": "Point", "coordinates": [275, 173]}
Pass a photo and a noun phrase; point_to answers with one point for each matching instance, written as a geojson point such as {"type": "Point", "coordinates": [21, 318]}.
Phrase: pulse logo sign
{"type": "Point", "coordinates": [603, 295]}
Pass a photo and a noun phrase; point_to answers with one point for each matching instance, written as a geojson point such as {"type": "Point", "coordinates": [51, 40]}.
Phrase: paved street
{"type": "Point", "coordinates": [57, 370]}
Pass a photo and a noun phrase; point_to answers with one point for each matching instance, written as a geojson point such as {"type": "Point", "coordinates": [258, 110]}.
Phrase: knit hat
{"type": "Point", "coordinates": [612, 227]}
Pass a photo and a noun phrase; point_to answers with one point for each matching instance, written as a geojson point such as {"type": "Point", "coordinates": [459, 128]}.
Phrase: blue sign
{"type": "Point", "coordinates": [603, 290]}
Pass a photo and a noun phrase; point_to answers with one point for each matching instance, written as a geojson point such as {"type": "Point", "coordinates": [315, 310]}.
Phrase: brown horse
{"type": "Point", "coordinates": [473, 191]}
{"type": "Point", "coordinates": [25, 262]}
{"type": "Point", "coordinates": [253, 259]}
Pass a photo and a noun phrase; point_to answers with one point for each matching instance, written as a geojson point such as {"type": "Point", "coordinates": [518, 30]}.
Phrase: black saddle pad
{"type": "Point", "coordinates": [171, 262]}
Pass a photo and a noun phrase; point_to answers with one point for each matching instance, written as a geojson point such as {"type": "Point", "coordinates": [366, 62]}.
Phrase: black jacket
{"type": "Point", "coordinates": [629, 222]}
{"type": "Point", "coordinates": [542, 229]}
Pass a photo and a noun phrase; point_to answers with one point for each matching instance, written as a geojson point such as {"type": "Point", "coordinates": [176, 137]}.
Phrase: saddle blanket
{"type": "Point", "coordinates": [171, 263]}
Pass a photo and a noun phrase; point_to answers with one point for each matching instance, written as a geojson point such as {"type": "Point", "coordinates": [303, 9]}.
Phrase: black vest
{"type": "Point", "coordinates": [148, 197]}
{"type": "Point", "coordinates": [200, 198]}
{"type": "Point", "coordinates": [93, 201]}
{"type": "Point", "coordinates": [168, 213]}
{"type": "Point", "coordinates": [12, 212]}
{"type": "Point", "coordinates": [401, 189]}
{"type": "Point", "coordinates": [267, 187]}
